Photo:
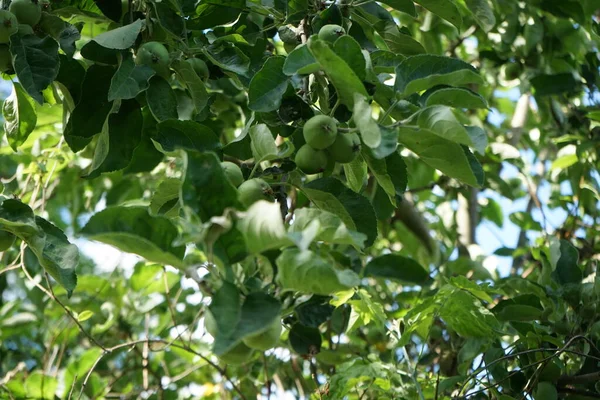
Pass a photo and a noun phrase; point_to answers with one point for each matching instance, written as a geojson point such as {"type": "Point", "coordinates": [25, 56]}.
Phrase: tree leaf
{"type": "Point", "coordinates": [129, 80]}
{"type": "Point", "coordinates": [464, 314]}
{"type": "Point", "coordinates": [379, 170]}
{"type": "Point", "coordinates": [228, 57]}
{"type": "Point", "coordinates": [343, 78]}
{"type": "Point", "coordinates": [356, 172]}
{"type": "Point", "coordinates": [36, 63]}
{"type": "Point", "coordinates": [440, 120]}
{"type": "Point", "coordinates": [133, 230]}
{"type": "Point", "coordinates": [120, 38]}
{"type": "Point", "coordinates": [259, 311]}
{"type": "Point", "coordinates": [262, 227]}
{"type": "Point", "coordinates": [145, 156]}
{"type": "Point", "coordinates": [350, 51]}
{"type": "Point", "coordinates": [263, 144]}
{"type": "Point", "coordinates": [330, 228]}
{"type": "Point", "coordinates": [406, 6]}
{"type": "Point", "coordinates": [453, 97]}
{"type": "Point", "coordinates": [54, 252]}
{"type": "Point", "coordinates": [165, 200]}
{"type": "Point", "coordinates": [424, 71]}
{"type": "Point", "coordinates": [187, 135]}
{"type": "Point", "coordinates": [161, 99]}
{"type": "Point", "coordinates": [19, 115]}
{"type": "Point", "coordinates": [121, 138]}
{"type": "Point", "coordinates": [204, 177]}
{"type": "Point", "coordinates": [483, 13]}
{"type": "Point", "coordinates": [400, 43]}
{"type": "Point", "coordinates": [268, 86]}
{"type": "Point", "coordinates": [519, 312]}
{"type": "Point", "coordinates": [546, 85]}
{"type": "Point", "coordinates": [398, 268]}
{"type": "Point", "coordinates": [439, 153]}
{"type": "Point", "coordinates": [362, 116]}
{"type": "Point", "coordinates": [354, 205]}
{"type": "Point", "coordinates": [63, 32]}
{"type": "Point", "coordinates": [300, 61]}
{"type": "Point", "coordinates": [193, 83]}
{"type": "Point", "coordinates": [89, 115]}
{"type": "Point", "coordinates": [225, 308]}
{"type": "Point", "coordinates": [305, 340]}
{"type": "Point", "coordinates": [567, 268]}
{"type": "Point", "coordinates": [308, 272]}
{"type": "Point", "coordinates": [446, 9]}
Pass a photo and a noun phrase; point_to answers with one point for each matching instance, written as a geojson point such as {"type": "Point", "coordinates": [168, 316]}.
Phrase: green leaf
{"type": "Point", "coordinates": [439, 153]}
{"type": "Point", "coordinates": [362, 116]}
{"type": "Point", "coordinates": [119, 141]}
{"type": "Point", "coordinates": [300, 61]}
{"type": "Point", "coordinates": [396, 168]}
{"type": "Point", "coordinates": [398, 268]}
{"type": "Point", "coordinates": [446, 9]}
{"type": "Point", "coordinates": [165, 201]}
{"type": "Point", "coordinates": [204, 177]}
{"type": "Point", "coordinates": [356, 210]}
{"type": "Point", "coordinates": [466, 316]}
{"type": "Point", "coordinates": [161, 99]}
{"type": "Point", "coordinates": [63, 32]}
{"type": "Point", "coordinates": [262, 227]}
{"type": "Point", "coordinates": [546, 85]}
{"type": "Point", "coordinates": [145, 156]}
{"type": "Point", "coordinates": [54, 252]}
{"type": "Point", "coordinates": [406, 6]}
{"type": "Point", "coordinates": [41, 386]}
{"type": "Point", "coordinates": [133, 230]}
{"type": "Point", "coordinates": [567, 269]}
{"type": "Point", "coordinates": [308, 272]}
{"type": "Point", "coordinates": [268, 86]}
{"type": "Point", "coordinates": [120, 38]}
{"type": "Point", "coordinates": [378, 168]}
{"type": "Point", "coordinates": [129, 80]}
{"type": "Point", "coordinates": [263, 144]}
{"type": "Point", "coordinates": [89, 115]}
{"type": "Point", "coordinates": [50, 245]}
{"type": "Point", "coordinates": [399, 42]}
{"type": "Point", "coordinates": [389, 143]}
{"type": "Point", "coordinates": [343, 78]}
{"type": "Point", "coordinates": [356, 173]}
{"type": "Point", "coordinates": [187, 135]}
{"type": "Point", "coordinates": [329, 228]}
{"type": "Point", "coordinates": [424, 71]}
{"type": "Point", "coordinates": [483, 13]}
{"type": "Point", "coordinates": [519, 312]}
{"type": "Point", "coordinates": [453, 97]}
{"type": "Point", "coordinates": [259, 311]}
{"type": "Point", "coordinates": [305, 340]}
{"type": "Point", "coordinates": [193, 83]}
{"type": "Point", "coordinates": [36, 63]}
{"type": "Point", "coordinates": [440, 120]}
{"type": "Point", "coordinates": [351, 52]}
{"type": "Point", "coordinates": [228, 57]}
{"type": "Point", "coordinates": [19, 115]}
{"type": "Point", "coordinates": [225, 309]}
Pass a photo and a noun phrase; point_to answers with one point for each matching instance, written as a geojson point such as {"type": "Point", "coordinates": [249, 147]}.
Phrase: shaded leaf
{"type": "Point", "coordinates": [129, 80]}
{"type": "Point", "coordinates": [397, 268]}
{"type": "Point", "coordinates": [36, 63]}
{"type": "Point", "coordinates": [133, 230]}
{"type": "Point", "coordinates": [19, 115]}
{"type": "Point", "coordinates": [308, 272]}
{"type": "Point", "coordinates": [343, 78]}
{"type": "Point", "coordinates": [424, 71]}
{"type": "Point", "coordinates": [268, 86]}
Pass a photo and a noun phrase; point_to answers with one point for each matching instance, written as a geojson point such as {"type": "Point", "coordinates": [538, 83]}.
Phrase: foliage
{"type": "Point", "coordinates": [450, 252]}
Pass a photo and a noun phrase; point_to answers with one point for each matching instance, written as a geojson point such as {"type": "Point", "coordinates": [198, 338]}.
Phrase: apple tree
{"type": "Point", "coordinates": [347, 199]}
